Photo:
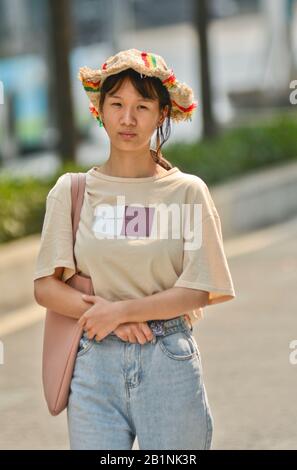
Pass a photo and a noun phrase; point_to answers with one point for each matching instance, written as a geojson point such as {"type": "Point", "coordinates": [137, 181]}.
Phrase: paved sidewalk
{"type": "Point", "coordinates": [244, 346]}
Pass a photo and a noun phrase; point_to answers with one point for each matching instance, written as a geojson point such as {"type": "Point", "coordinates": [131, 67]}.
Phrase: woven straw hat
{"type": "Point", "coordinates": [145, 63]}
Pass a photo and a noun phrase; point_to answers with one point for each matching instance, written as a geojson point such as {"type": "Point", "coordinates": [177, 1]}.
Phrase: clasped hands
{"type": "Point", "coordinates": [105, 316]}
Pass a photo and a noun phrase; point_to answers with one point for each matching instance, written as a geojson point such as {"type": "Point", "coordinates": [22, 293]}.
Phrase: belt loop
{"type": "Point", "coordinates": [188, 321]}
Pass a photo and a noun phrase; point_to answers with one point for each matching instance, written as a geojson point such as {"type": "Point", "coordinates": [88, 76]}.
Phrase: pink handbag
{"type": "Point", "coordinates": [62, 333]}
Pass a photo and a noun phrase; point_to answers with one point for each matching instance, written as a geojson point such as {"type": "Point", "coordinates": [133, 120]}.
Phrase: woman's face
{"type": "Point", "coordinates": [127, 111]}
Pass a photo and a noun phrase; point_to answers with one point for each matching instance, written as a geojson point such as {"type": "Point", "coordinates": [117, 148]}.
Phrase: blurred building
{"type": "Point", "coordinates": [26, 116]}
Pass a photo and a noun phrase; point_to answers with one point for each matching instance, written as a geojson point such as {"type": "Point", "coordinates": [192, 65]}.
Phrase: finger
{"type": "Point", "coordinates": [137, 330]}
{"type": "Point", "coordinates": [88, 298]}
{"type": "Point", "coordinates": [132, 338]}
{"type": "Point", "coordinates": [141, 338]}
{"type": "Point", "coordinates": [122, 337]}
{"type": "Point", "coordinates": [81, 321]}
{"type": "Point", "coordinates": [135, 334]}
{"type": "Point", "coordinates": [86, 326]}
{"type": "Point", "coordinates": [90, 334]}
{"type": "Point", "coordinates": [120, 332]}
{"type": "Point", "coordinates": [147, 331]}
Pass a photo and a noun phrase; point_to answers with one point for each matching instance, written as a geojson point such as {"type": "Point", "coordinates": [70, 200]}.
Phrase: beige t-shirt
{"type": "Point", "coordinates": [138, 236]}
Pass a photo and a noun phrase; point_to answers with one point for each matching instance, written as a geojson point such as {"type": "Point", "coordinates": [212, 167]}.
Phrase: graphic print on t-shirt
{"type": "Point", "coordinates": [157, 221]}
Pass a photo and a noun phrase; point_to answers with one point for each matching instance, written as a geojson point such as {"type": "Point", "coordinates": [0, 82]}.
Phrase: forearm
{"type": "Point", "coordinates": [164, 305]}
{"type": "Point", "coordinates": [61, 298]}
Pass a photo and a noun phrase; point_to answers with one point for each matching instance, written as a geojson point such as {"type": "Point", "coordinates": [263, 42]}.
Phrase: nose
{"type": "Point", "coordinates": [127, 117]}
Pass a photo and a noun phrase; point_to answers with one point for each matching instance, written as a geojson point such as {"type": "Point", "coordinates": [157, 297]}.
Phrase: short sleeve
{"type": "Point", "coordinates": [205, 266]}
{"type": "Point", "coordinates": [56, 244]}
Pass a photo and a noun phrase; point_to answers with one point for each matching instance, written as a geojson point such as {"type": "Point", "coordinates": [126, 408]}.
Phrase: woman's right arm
{"type": "Point", "coordinates": [52, 293]}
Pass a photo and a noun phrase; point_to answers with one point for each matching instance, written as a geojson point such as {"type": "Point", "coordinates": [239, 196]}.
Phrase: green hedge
{"type": "Point", "coordinates": [238, 151]}
{"type": "Point", "coordinates": [23, 200]}
{"type": "Point", "coordinates": [235, 152]}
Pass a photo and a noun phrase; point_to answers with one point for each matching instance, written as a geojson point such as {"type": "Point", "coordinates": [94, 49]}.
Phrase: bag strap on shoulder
{"type": "Point", "coordinates": [78, 183]}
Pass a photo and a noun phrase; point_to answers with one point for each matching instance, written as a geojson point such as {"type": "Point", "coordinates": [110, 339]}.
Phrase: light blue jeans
{"type": "Point", "coordinates": [155, 391]}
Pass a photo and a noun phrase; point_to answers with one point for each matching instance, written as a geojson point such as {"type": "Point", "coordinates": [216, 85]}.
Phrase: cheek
{"type": "Point", "coordinates": [148, 125]}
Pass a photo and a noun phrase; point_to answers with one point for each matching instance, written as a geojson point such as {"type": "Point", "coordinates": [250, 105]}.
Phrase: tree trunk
{"type": "Point", "coordinates": [60, 31]}
{"type": "Point", "coordinates": [201, 19]}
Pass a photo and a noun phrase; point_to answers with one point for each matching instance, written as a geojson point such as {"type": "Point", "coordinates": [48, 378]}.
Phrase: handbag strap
{"type": "Point", "coordinates": [78, 183]}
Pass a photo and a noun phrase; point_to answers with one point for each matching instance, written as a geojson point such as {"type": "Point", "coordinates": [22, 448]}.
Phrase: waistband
{"type": "Point", "coordinates": [166, 327]}
{"type": "Point", "coordinates": [163, 327]}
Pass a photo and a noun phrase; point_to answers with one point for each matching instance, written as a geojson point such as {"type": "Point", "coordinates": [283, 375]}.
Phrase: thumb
{"type": "Point", "coordinates": [89, 298]}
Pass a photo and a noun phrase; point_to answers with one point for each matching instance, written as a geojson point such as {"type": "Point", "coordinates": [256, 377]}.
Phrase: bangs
{"type": "Point", "coordinates": [146, 86]}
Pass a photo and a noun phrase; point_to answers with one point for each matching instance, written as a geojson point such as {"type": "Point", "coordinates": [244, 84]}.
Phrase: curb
{"type": "Point", "coordinates": [257, 200]}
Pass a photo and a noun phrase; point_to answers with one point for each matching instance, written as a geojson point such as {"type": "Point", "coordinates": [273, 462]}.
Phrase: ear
{"type": "Point", "coordinates": [164, 113]}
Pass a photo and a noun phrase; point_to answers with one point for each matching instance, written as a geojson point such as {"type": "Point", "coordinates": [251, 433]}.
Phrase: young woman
{"type": "Point", "coordinates": [150, 238]}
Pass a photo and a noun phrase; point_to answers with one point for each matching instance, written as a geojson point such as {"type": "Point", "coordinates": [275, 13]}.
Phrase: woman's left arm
{"type": "Point", "coordinates": [164, 305]}
{"type": "Point", "coordinates": [104, 316]}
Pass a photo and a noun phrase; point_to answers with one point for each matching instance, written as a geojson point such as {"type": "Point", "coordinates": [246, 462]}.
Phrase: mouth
{"type": "Point", "coordinates": [127, 135]}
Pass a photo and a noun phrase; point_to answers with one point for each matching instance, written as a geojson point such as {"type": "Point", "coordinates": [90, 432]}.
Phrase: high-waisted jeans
{"type": "Point", "coordinates": [155, 391]}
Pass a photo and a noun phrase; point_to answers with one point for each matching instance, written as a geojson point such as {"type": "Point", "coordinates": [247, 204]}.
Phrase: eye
{"type": "Point", "coordinates": [144, 107]}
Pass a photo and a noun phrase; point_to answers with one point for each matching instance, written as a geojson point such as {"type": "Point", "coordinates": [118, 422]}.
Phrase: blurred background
{"type": "Point", "coordinates": [240, 58]}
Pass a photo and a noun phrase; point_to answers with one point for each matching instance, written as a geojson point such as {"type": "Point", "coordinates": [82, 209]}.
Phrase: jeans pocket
{"type": "Point", "coordinates": [84, 346]}
{"type": "Point", "coordinates": [195, 345]}
{"type": "Point", "coordinates": [178, 345]}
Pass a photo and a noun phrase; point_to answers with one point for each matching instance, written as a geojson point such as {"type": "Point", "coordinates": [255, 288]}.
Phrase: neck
{"type": "Point", "coordinates": [127, 166]}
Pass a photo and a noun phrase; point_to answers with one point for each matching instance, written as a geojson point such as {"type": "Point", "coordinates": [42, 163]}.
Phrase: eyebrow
{"type": "Point", "coordinates": [139, 99]}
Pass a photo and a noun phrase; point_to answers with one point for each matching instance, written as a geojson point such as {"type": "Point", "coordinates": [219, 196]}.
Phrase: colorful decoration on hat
{"type": "Point", "coordinates": [170, 82]}
{"type": "Point", "coordinates": [149, 60]}
{"type": "Point", "coordinates": [95, 113]}
{"type": "Point", "coordinates": [188, 112]}
{"type": "Point", "coordinates": [92, 86]}
{"type": "Point", "coordinates": [147, 65]}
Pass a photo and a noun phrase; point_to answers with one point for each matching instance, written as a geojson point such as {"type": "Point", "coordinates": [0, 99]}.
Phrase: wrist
{"type": "Point", "coordinates": [123, 308]}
